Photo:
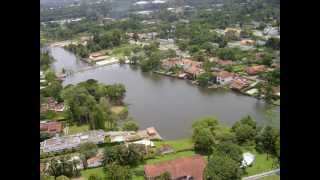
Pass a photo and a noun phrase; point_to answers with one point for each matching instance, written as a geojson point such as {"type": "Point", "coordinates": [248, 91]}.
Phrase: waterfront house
{"type": "Point", "coordinates": [150, 133]}
{"type": "Point", "coordinates": [51, 127]}
{"type": "Point", "coordinates": [170, 63]}
{"type": "Point", "coordinates": [254, 70]}
{"type": "Point", "coordinates": [192, 68]}
{"type": "Point", "coordinates": [186, 168]}
{"type": "Point", "coordinates": [239, 83]}
{"type": "Point", "coordinates": [224, 77]}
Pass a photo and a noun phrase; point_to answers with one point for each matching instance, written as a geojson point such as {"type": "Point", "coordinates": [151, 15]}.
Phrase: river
{"type": "Point", "coordinates": [170, 105]}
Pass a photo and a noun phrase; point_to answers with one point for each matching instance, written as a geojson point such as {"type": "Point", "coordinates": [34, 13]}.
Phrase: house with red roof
{"type": "Point", "coordinates": [51, 127]}
{"type": "Point", "coordinates": [254, 70]}
{"type": "Point", "coordinates": [239, 83]}
{"type": "Point", "coordinates": [185, 168]}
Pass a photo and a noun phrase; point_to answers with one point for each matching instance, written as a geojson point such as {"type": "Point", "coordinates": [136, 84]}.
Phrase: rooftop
{"type": "Point", "coordinates": [187, 166]}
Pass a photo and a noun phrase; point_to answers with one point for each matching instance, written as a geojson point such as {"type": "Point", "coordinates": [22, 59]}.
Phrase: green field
{"type": "Point", "coordinates": [177, 145]}
{"type": "Point", "coordinates": [74, 129]}
{"type": "Point", "coordinates": [260, 165]}
{"type": "Point", "coordinates": [96, 171]}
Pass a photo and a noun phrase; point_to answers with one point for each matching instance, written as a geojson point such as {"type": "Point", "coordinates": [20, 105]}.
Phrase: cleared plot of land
{"type": "Point", "coordinates": [94, 171]}
{"type": "Point", "coordinates": [74, 129]}
{"type": "Point", "coordinates": [117, 109]}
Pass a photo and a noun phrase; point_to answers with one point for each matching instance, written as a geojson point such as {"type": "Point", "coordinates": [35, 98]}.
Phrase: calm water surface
{"type": "Point", "coordinates": [171, 105]}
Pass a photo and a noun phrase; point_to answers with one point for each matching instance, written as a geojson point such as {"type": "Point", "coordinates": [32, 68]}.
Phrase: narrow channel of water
{"type": "Point", "coordinates": [171, 105]}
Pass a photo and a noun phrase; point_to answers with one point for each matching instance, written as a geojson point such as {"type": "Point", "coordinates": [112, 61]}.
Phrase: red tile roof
{"type": "Point", "coordinates": [51, 127]}
{"type": "Point", "coordinates": [186, 166]}
{"type": "Point", "coordinates": [255, 69]}
{"type": "Point", "coordinates": [239, 84]}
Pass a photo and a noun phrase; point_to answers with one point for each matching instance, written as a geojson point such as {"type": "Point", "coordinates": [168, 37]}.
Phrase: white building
{"type": "Point", "coordinates": [248, 159]}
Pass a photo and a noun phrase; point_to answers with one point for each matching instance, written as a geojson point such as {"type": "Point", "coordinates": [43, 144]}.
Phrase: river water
{"type": "Point", "coordinates": [170, 105]}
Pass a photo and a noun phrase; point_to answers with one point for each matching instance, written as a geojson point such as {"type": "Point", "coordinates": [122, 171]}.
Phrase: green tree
{"type": "Point", "coordinates": [204, 134]}
{"type": "Point", "coordinates": [164, 176]}
{"type": "Point", "coordinates": [204, 78]}
{"type": "Point", "coordinates": [273, 43]}
{"type": "Point", "coordinates": [222, 167]}
{"type": "Point", "coordinates": [245, 130]}
{"type": "Point", "coordinates": [267, 141]}
{"type": "Point", "coordinates": [118, 172]}
{"type": "Point", "coordinates": [130, 126]}
{"type": "Point", "coordinates": [231, 150]}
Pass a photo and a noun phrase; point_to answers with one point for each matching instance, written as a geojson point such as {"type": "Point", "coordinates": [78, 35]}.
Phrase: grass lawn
{"type": "Point", "coordinates": [122, 50]}
{"type": "Point", "coordinates": [260, 165]}
{"type": "Point", "coordinates": [74, 129]}
{"type": "Point", "coordinates": [177, 145]}
{"type": "Point", "coordinates": [96, 171]}
{"type": "Point", "coordinates": [117, 109]}
{"type": "Point", "coordinates": [273, 177]}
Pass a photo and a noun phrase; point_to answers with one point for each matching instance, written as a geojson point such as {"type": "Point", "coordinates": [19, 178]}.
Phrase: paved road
{"type": "Point", "coordinates": [258, 176]}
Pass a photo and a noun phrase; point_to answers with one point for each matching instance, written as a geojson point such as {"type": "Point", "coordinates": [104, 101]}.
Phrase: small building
{"type": "Point", "coordinates": [165, 149]}
{"type": "Point", "coordinates": [254, 70]}
{"type": "Point", "coordinates": [51, 127]}
{"type": "Point", "coordinates": [95, 161]}
{"type": "Point", "coordinates": [239, 84]}
{"type": "Point", "coordinates": [248, 159]}
{"type": "Point", "coordinates": [182, 168]}
{"type": "Point", "coordinates": [224, 77]}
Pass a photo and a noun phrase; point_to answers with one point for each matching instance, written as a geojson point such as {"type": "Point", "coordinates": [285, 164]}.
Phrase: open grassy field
{"type": "Point", "coordinates": [260, 165]}
{"type": "Point", "coordinates": [96, 171]}
{"type": "Point", "coordinates": [117, 109]}
{"type": "Point", "coordinates": [177, 145]}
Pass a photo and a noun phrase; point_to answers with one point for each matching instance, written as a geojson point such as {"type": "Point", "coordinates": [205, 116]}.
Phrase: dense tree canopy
{"type": "Point", "coordinates": [245, 130]}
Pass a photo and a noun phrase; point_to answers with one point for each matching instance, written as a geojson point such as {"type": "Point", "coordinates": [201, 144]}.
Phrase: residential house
{"type": "Point", "coordinates": [170, 63]}
{"type": "Point", "coordinates": [192, 68]}
{"type": "Point", "coordinates": [52, 105]}
{"type": "Point", "coordinates": [254, 70]}
{"type": "Point", "coordinates": [224, 77]}
{"type": "Point", "coordinates": [95, 161]}
{"type": "Point", "coordinates": [150, 133]}
{"type": "Point", "coordinates": [186, 168]}
{"type": "Point", "coordinates": [51, 127]}
{"type": "Point", "coordinates": [239, 83]}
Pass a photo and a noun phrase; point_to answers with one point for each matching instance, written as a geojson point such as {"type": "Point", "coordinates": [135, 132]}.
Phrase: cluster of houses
{"type": "Point", "coordinates": [72, 141]}
{"type": "Point", "coordinates": [52, 105]}
{"type": "Point", "coordinates": [140, 137]}
{"type": "Point", "coordinates": [192, 69]}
